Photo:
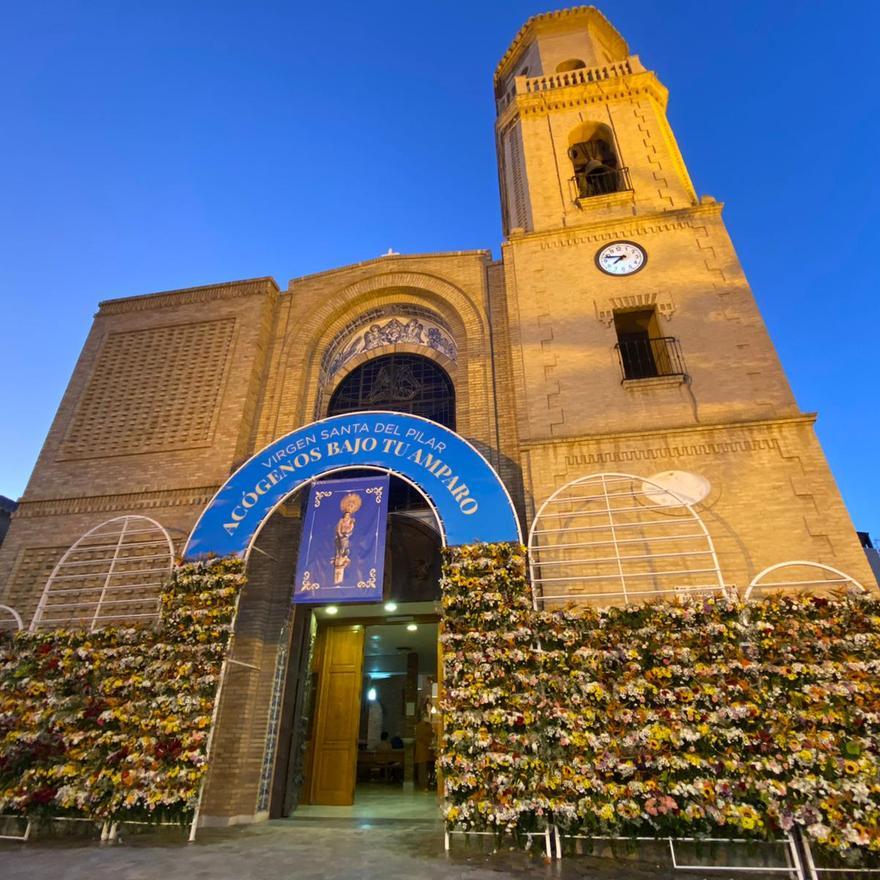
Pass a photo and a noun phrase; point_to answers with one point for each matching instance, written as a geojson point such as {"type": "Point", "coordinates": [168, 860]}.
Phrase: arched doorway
{"type": "Point", "coordinates": [462, 501]}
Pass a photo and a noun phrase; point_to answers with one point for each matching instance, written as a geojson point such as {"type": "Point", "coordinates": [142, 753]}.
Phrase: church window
{"type": "Point", "coordinates": [597, 171]}
{"type": "Point", "coordinates": [398, 382]}
{"type": "Point", "coordinates": [412, 384]}
{"type": "Point", "coordinates": [643, 351]}
{"type": "Point", "coordinates": [570, 64]}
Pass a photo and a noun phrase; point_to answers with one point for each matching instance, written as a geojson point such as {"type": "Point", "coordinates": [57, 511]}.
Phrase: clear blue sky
{"type": "Point", "coordinates": [155, 145]}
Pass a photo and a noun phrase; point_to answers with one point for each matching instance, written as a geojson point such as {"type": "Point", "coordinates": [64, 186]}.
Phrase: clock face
{"type": "Point", "coordinates": [621, 258]}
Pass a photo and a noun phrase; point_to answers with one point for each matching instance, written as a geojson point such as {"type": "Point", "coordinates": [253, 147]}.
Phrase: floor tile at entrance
{"type": "Point", "coordinates": [378, 802]}
{"type": "Point", "coordinates": [288, 850]}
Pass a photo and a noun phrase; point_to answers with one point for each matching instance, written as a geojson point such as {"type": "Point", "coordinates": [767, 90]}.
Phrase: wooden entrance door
{"type": "Point", "coordinates": [340, 669]}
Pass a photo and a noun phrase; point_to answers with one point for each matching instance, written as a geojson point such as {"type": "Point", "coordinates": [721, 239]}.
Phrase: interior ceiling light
{"type": "Point", "coordinates": [331, 609]}
{"type": "Point", "coordinates": [412, 627]}
{"type": "Point", "coordinates": [391, 606]}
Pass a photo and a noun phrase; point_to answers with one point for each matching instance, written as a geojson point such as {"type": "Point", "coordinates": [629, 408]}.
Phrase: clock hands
{"type": "Point", "coordinates": [621, 258]}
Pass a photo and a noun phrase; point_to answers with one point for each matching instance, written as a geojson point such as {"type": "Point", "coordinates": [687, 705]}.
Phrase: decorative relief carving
{"type": "Point", "coordinates": [389, 327]}
{"type": "Point", "coordinates": [661, 301]}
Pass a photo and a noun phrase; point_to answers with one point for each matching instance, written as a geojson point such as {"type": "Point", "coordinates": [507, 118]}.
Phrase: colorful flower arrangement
{"type": "Point", "coordinates": [700, 717]}
{"type": "Point", "coordinates": [114, 724]}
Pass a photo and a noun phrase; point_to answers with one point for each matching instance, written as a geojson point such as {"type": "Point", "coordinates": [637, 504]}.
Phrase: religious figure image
{"type": "Point", "coordinates": [349, 506]}
{"type": "Point", "coordinates": [413, 331]}
{"type": "Point", "coordinates": [373, 337]}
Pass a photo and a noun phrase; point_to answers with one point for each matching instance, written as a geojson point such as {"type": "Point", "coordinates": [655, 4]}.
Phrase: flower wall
{"type": "Point", "coordinates": [114, 723]}
{"type": "Point", "coordinates": [699, 717]}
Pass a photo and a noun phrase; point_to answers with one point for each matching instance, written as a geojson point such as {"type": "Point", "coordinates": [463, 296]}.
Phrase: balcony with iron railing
{"type": "Point", "coordinates": [644, 357]}
{"type": "Point", "coordinates": [600, 183]}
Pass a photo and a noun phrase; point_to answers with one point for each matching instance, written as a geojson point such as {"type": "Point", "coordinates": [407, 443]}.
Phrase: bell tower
{"type": "Point", "coordinates": [581, 127]}
{"type": "Point", "coordinates": [637, 345]}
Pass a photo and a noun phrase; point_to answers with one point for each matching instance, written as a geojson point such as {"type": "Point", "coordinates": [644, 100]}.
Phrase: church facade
{"type": "Point", "coordinates": [616, 339]}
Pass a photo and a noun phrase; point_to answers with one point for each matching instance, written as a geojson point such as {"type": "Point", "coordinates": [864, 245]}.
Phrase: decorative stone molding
{"type": "Point", "coordinates": [627, 87]}
{"type": "Point", "coordinates": [198, 496]}
{"type": "Point", "coordinates": [391, 325]}
{"type": "Point", "coordinates": [595, 233]}
{"type": "Point", "coordinates": [661, 301]}
{"type": "Point", "coordinates": [701, 434]}
{"type": "Point", "coordinates": [676, 452]}
{"type": "Point", "coordinates": [188, 296]}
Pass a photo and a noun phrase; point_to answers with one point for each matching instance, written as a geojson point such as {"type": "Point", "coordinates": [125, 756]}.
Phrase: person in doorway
{"type": "Point", "coordinates": [424, 752]}
{"type": "Point", "coordinates": [384, 744]}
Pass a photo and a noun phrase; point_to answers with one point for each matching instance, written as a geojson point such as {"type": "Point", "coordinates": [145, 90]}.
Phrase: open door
{"type": "Point", "coordinates": [334, 749]}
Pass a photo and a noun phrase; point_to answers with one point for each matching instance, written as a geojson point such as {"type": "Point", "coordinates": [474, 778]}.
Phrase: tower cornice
{"type": "Point", "coordinates": [536, 102]}
{"type": "Point", "coordinates": [618, 227]}
{"type": "Point", "coordinates": [560, 19]}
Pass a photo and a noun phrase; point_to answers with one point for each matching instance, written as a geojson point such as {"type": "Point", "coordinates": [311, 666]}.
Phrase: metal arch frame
{"type": "Point", "coordinates": [41, 605]}
{"type": "Point", "coordinates": [15, 614]}
{"type": "Point", "coordinates": [603, 476]}
{"type": "Point", "coordinates": [381, 469]}
{"type": "Point", "coordinates": [843, 577]}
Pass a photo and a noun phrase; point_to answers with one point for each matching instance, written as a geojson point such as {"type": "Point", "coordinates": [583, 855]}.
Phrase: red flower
{"type": "Point", "coordinates": [43, 796]}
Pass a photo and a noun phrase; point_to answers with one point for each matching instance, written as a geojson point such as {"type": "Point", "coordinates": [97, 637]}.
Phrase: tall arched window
{"type": "Point", "coordinates": [398, 382]}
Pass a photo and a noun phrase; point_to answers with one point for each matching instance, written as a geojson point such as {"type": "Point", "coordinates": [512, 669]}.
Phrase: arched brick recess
{"type": "Point", "coordinates": [294, 394]}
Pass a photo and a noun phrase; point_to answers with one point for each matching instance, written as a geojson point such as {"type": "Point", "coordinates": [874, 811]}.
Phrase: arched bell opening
{"type": "Point", "coordinates": [594, 159]}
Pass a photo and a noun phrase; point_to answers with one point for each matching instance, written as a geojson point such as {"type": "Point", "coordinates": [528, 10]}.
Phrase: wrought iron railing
{"type": "Point", "coordinates": [613, 180]}
{"type": "Point", "coordinates": [643, 357]}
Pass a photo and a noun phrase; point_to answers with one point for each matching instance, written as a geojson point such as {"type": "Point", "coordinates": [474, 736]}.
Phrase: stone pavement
{"type": "Point", "coordinates": [326, 849]}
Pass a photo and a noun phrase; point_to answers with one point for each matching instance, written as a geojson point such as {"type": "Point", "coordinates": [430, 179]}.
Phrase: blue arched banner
{"type": "Point", "coordinates": [468, 497]}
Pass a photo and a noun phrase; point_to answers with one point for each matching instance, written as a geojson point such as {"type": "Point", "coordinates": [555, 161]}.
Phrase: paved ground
{"type": "Point", "coordinates": [327, 849]}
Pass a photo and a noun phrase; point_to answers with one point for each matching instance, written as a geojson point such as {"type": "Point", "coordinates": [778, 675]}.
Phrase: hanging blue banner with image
{"type": "Point", "coordinates": [342, 549]}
